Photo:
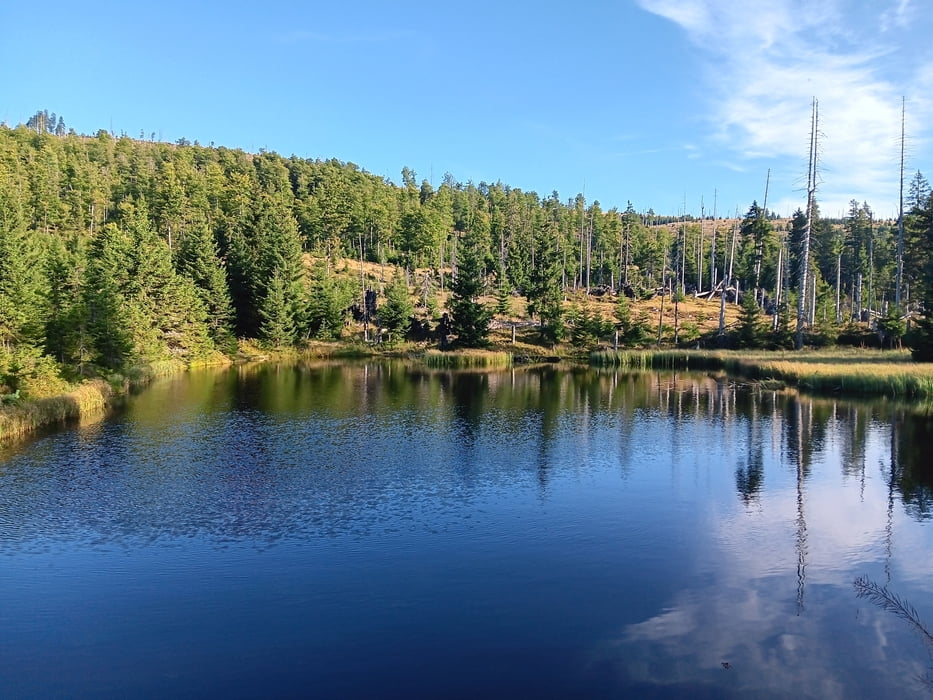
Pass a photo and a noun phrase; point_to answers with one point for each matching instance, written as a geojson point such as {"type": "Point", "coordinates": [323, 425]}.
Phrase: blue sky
{"type": "Point", "coordinates": [665, 103]}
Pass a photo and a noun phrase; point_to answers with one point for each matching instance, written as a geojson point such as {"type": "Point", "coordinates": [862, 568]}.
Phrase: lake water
{"type": "Point", "coordinates": [378, 530]}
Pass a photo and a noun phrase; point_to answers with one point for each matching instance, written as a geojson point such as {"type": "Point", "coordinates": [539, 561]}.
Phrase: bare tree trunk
{"type": "Point", "coordinates": [712, 248]}
{"type": "Point", "coordinates": [735, 232]}
{"type": "Point", "coordinates": [661, 317]}
{"type": "Point", "coordinates": [871, 265]}
{"type": "Point", "coordinates": [700, 249]}
{"type": "Point", "coordinates": [838, 285]}
{"type": "Point", "coordinates": [805, 247]}
{"type": "Point", "coordinates": [778, 286]}
{"type": "Point", "coordinates": [900, 225]}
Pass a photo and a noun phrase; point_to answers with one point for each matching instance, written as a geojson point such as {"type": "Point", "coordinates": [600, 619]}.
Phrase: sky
{"type": "Point", "coordinates": [680, 106]}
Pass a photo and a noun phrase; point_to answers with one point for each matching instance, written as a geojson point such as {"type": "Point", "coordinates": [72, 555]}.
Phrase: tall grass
{"type": "Point", "coordinates": [833, 371]}
{"type": "Point", "coordinates": [467, 359]}
{"type": "Point", "coordinates": [88, 399]}
{"type": "Point", "coordinates": [657, 359]}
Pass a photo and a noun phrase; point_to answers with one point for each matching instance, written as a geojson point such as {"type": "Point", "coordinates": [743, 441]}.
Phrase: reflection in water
{"type": "Point", "coordinates": [892, 603]}
{"type": "Point", "coordinates": [911, 466]}
{"type": "Point", "coordinates": [528, 532]}
{"type": "Point", "coordinates": [750, 475]}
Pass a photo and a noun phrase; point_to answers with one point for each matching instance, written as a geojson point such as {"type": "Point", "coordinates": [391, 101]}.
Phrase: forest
{"type": "Point", "coordinates": [117, 251]}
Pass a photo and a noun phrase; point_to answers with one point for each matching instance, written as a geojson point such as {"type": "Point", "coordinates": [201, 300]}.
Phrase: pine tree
{"type": "Point", "coordinates": [198, 261]}
{"type": "Point", "coordinates": [66, 331]}
{"type": "Point", "coordinates": [544, 293]}
{"type": "Point", "coordinates": [632, 331]}
{"type": "Point", "coordinates": [470, 322]}
{"type": "Point", "coordinates": [278, 328]}
{"type": "Point", "coordinates": [326, 305]}
{"type": "Point", "coordinates": [395, 313]}
{"type": "Point", "coordinates": [503, 297]}
{"type": "Point", "coordinates": [750, 332]}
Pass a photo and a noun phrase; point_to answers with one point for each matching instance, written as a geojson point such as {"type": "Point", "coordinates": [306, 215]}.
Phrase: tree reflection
{"type": "Point", "coordinates": [750, 474]}
{"type": "Point", "coordinates": [911, 467]}
{"type": "Point", "coordinates": [799, 419]}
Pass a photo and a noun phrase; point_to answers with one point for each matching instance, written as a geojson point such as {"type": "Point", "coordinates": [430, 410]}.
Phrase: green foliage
{"type": "Point", "coordinates": [783, 336]}
{"type": "Point", "coordinates": [28, 373]}
{"type": "Point", "coordinates": [398, 308]}
{"type": "Point", "coordinates": [544, 291]}
{"type": "Point", "coordinates": [503, 299]}
{"type": "Point", "coordinates": [756, 261]}
{"type": "Point", "coordinates": [750, 332]}
{"type": "Point", "coordinates": [632, 331]}
{"type": "Point", "coordinates": [470, 318]}
{"type": "Point", "coordinates": [139, 309]}
{"type": "Point", "coordinates": [115, 251]}
{"type": "Point", "coordinates": [278, 323]}
{"type": "Point", "coordinates": [588, 327]}
{"type": "Point", "coordinates": [921, 336]}
{"type": "Point", "coordinates": [892, 327]}
{"type": "Point", "coordinates": [327, 305]}
{"type": "Point", "coordinates": [199, 261]}
{"type": "Point", "coordinates": [689, 331]}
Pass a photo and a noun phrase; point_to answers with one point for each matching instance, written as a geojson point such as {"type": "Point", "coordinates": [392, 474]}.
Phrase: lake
{"type": "Point", "coordinates": [380, 530]}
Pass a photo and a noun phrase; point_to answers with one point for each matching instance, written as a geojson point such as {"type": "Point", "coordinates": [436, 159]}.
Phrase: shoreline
{"type": "Point", "coordinates": [854, 373]}
{"type": "Point", "coordinates": [858, 373]}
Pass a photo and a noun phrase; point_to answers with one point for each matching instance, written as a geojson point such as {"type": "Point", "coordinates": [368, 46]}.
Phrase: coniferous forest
{"type": "Point", "coordinates": [117, 252]}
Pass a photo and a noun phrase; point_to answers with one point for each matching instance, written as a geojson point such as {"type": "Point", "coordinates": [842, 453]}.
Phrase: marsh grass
{"type": "Point", "coordinates": [467, 359]}
{"type": "Point", "coordinates": [855, 372]}
{"type": "Point", "coordinates": [92, 397]}
{"type": "Point", "coordinates": [89, 399]}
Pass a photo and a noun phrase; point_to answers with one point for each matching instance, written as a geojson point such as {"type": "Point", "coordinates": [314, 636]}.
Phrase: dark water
{"type": "Point", "coordinates": [374, 530]}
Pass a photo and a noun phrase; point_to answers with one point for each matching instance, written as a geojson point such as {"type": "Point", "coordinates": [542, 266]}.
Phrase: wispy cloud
{"type": "Point", "coordinates": [765, 60]}
{"type": "Point", "coordinates": [897, 16]}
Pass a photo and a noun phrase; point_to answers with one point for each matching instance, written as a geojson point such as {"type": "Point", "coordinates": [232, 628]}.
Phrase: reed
{"type": "Point", "coordinates": [467, 359]}
{"type": "Point", "coordinates": [657, 359]}
{"type": "Point", "coordinates": [834, 371]}
{"type": "Point", "coordinates": [88, 399]}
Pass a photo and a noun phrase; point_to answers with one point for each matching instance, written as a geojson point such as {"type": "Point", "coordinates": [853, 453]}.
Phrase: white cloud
{"type": "Point", "coordinates": [766, 60]}
{"type": "Point", "coordinates": [897, 16]}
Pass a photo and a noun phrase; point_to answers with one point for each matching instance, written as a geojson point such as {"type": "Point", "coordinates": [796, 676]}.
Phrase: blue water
{"type": "Point", "coordinates": [375, 530]}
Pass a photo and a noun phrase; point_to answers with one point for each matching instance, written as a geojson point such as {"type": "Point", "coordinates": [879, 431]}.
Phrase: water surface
{"type": "Point", "coordinates": [364, 530]}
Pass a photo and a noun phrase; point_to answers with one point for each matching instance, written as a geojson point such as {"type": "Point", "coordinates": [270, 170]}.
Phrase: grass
{"type": "Point", "coordinates": [467, 359]}
{"type": "Point", "coordinates": [88, 399]}
{"type": "Point", "coordinates": [854, 372]}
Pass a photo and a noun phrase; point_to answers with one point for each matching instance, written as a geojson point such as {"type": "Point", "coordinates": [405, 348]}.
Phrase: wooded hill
{"type": "Point", "coordinates": [116, 251]}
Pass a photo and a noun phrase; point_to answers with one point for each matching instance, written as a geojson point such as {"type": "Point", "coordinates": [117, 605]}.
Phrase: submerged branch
{"type": "Point", "coordinates": [893, 603]}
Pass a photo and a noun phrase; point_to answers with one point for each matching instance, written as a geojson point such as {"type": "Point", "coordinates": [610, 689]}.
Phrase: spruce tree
{"type": "Point", "coordinates": [198, 261]}
{"type": "Point", "coordinates": [545, 294]}
{"type": "Point", "coordinates": [503, 297]}
{"type": "Point", "coordinates": [395, 313]}
{"type": "Point", "coordinates": [278, 328]}
{"type": "Point", "coordinates": [325, 308]}
{"type": "Point", "coordinates": [750, 331]}
{"type": "Point", "coordinates": [470, 322]}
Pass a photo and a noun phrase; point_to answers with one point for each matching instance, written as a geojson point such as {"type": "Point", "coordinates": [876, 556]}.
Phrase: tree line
{"type": "Point", "coordinates": [116, 251]}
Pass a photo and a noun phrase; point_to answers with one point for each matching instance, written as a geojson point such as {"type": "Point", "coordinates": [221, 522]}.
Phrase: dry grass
{"type": "Point", "coordinates": [88, 399]}
{"type": "Point", "coordinates": [701, 313]}
{"type": "Point", "coordinates": [854, 372]}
